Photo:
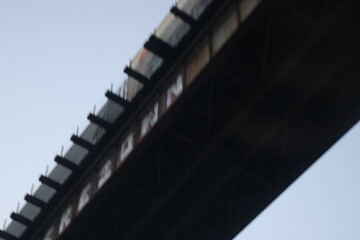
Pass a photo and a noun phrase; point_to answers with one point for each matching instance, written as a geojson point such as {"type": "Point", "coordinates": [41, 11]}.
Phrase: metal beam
{"type": "Point", "coordinates": [159, 47]}
{"type": "Point", "coordinates": [137, 76]}
{"type": "Point", "coordinates": [99, 121]}
{"type": "Point", "coordinates": [51, 183]}
{"type": "Point", "coordinates": [185, 17]}
{"type": "Point", "coordinates": [66, 163]}
{"type": "Point", "coordinates": [7, 236]}
{"type": "Point", "coordinates": [116, 98]}
{"type": "Point", "coordinates": [21, 219]}
{"type": "Point", "coordinates": [36, 201]}
{"type": "Point", "coordinates": [82, 142]}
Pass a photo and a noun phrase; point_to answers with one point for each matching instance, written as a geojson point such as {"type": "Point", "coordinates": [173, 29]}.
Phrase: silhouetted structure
{"type": "Point", "coordinates": [222, 110]}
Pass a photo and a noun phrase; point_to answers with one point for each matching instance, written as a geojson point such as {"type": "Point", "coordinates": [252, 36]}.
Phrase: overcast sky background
{"type": "Point", "coordinates": [57, 58]}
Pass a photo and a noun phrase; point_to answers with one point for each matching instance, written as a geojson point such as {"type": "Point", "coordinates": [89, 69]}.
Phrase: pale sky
{"type": "Point", "coordinates": [57, 58]}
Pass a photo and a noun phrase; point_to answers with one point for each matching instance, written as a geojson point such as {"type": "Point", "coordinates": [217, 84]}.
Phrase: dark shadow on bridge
{"type": "Point", "coordinates": [275, 98]}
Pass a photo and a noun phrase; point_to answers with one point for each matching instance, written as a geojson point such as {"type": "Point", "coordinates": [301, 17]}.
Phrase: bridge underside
{"type": "Point", "coordinates": [278, 95]}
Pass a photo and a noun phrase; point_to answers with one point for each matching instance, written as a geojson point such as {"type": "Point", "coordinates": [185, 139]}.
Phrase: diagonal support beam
{"type": "Point", "coordinates": [137, 76]}
{"type": "Point", "coordinates": [185, 17]}
{"type": "Point", "coordinates": [116, 98]}
{"type": "Point", "coordinates": [51, 183]}
{"type": "Point", "coordinates": [82, 142]}
{"type": "Point", "coordinates": [21, 219]}
{"type": "Point", "coordinates": [159, 47]}
{"type": "Point", "coordinates": [66, 163]}
{"type": "Point", "coordinates": [36, 201]}
{"type": "Point", "coordinates": [7, 236]}
{"type": "Point", "coordinates": [136, 190]}
{"type": "Point", "coordinates": [99, 121]}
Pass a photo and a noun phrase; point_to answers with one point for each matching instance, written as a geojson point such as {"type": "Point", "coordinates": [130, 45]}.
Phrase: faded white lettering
{"type": "Point", "coordinates": [65, 220]}
{"type": "Point", "coordinates": [105, 173]}
{"type": "Point", "coordinates": [126, 147]}
{"type": "Point", "coordinates": [49, 234]}
{"type": "Point", "coordinates": [149, 120]}
{"type": "Point", "coordinates": [174, 91]}
{"type": "Point", "coordinates": [84, 197]}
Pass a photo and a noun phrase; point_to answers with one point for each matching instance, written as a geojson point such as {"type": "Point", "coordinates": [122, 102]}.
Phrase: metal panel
{"type": "Point", "coordinates": [93, 133]}
{"type": "Point", "coordinates": [194, 8]}
{"type": "Point", "coordinates": [16, 229]}
{"type": "Point", "coordinates": [146, 63]}
{"type": "Point", "coordinates": [45, 193]}
{"type": "Point", "coordinates": [246, 8]}
{"type": "Point", "coordinates": [60, 174]}
{"type": "Point", "coordinates": [76, 153]}
{"type": "Point", "coordinates": [224, 31]}
{"type": "Point", "coordinates": [110, 111]}
{"type": "Point", "coordinates": [172, 29]}
{"type": "Point", "coordinates": [197, 63]}
{"type": "Point", "coordinates": [172, 91]}
{"type": "Point", "coordinates": [133, 87]}
{"type": "Point", "coordinates": [30, 211]}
